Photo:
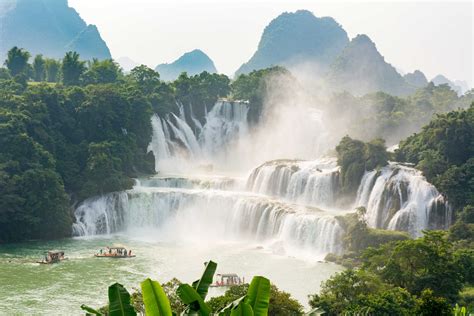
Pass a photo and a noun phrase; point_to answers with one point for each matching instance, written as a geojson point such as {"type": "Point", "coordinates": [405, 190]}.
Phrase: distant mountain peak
{"type": "Point", "coordinates": [416, 79]}
{"type": "Point", "coordinates": [193, 62]}
{"type": "Point", "coordinates": [295, 37]}
{"type": "Point", "coordinates": [361, 69]}
{"type": "Point", "coordinates": [441, 79]}
{"type": "Point", "coordinates": [48, 27]}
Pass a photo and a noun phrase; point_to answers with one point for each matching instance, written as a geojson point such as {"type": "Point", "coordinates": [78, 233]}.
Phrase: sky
{"type": "Point", "coordinates": [434, 37]}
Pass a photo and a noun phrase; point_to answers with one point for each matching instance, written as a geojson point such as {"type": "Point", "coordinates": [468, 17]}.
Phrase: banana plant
{"type": "Point", "coordinates": [154, 298]}
{"type": "Point", "coordinates": [254, 303]}
{"type": "Point", "coordinates": [194, 296]}
{"type": "Point", "coordinates": [119, 303]}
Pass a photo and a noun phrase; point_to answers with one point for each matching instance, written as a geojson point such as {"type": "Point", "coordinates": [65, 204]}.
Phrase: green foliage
{"type": "Point", "coordinates": [393, 118]}
{"type": "Point", "coordinates": [427, 262]}
{"type": "Point", "coordinates": [17, 61]}
{"type": "Point", "coordinates": [355, 157]}
{"type": "Point", "coordinates": [443, 150]}
{"type": "Point", "coordinates": [105, 71]}
{"type": "Point", "coordinates": [258, 295]}
{"type": "Point", "coordinates": [359, 236]}
{"type": "Point", "coordinates": [154, 299]}
{"type": "Point", "coordinates": [201, 91]}
{"type": "Point", "coordinates": [39, 68]}
{"type": "Point", "coordinates": [280, 303]}
{"type": "Point", "coordinates": [52, 68]}
{"type": "Point", "coordinates": [119, 301]}
{"type": "Point", "coordinates": [72, 69]}
{"type": "Point", "coordinates": [202, 285]}
{"type": "Point", "coordinates": [194, 302]}
{"type": "Point", "coordinates": [253, 87]}
{"type": "Point", "coordinates": [429, 304]}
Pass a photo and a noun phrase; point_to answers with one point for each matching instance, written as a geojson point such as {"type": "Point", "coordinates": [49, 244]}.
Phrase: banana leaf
{"type": "Point", "coordinates": [190, 297]}
{"type": "Point", "coordinates": [243, 309]}
{"type": "Point", "coordinates": [154, 298]}
{"type": "Point", "coordinates": [228, 309]}
{"type": "Point", "coordinates": [119, 301]}
{"type": "Point", "coordinates": [258, 295]}
{"type": "Point", "coordinates": [202, 285]}
{"type": "Point", "coordinates": [90, 310]}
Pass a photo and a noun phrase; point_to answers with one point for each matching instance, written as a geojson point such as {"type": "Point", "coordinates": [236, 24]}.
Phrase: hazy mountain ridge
{"type": "Point", "coordinates": [416, 79]}
{"type": "Point", "coordinates": [459, 86]}
{"type": "Point", "coordinates": [49, 27]}
{"type": "Point", "coordinates": [193, 62]}
{"type": "Point", "coordinates": [295, 37]}
{"type": "Point", "coordinates": [362, 69]}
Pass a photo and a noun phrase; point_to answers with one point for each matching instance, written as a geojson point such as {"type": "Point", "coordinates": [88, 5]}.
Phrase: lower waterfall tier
{"type": "Point", "coordinates": [210, 215]}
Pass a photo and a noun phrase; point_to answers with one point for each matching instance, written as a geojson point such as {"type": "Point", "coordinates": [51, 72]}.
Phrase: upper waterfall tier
{"type": "Point", "coordinates": [175, 140]}
{"type": "Point", "coordinates": [209, 215]}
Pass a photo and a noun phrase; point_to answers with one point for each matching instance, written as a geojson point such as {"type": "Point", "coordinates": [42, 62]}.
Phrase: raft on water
{"type": "Point", "coordinates": [228, 279]}
{"type": "Point", "coordinates": [52, 256]}
{"type": "Point", "coordinates": [114, 252]}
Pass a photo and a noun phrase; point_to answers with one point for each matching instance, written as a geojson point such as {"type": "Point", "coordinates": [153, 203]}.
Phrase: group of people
{"type": "Point", "coordinates": [115, 252]}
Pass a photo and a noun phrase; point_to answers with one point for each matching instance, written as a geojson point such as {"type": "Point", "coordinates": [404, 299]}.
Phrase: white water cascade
{"type": "Point", "coordinates": [174, 141]}
{"type": "Point", "coordinates": [399, 197]}
{"type": "Point", "coordinates": [184, 215]}
{"type": "Point", "coordinates": [312, 183]}
{"type": "Point", "coordinates": [288, 206]}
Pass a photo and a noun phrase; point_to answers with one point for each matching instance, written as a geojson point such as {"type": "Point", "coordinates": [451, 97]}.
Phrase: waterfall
{"type": "Point", "coordinates": [312, 183]}
{"type": "Point", "coordinates": [210, 215]}
{"type": "Point", "coordinates": [399, 198]}
{"type": "Point", "coordinates": [174, 142]}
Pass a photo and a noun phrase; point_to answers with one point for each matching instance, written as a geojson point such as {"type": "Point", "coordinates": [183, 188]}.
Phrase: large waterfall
{"type": "Point", "coordinates": [289, 206]}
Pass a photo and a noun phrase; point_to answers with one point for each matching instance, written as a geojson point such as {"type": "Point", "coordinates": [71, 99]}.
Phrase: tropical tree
{"type": "Point", "coordinates": [72, 68]}
{"type": "Point", "coordinates": [17, 61]}
{"type": "Point", "coordinates": [105, 71]}
{"type": "Point", "coordinates": [39, 68]}
{"type": "Point", "coordinates": [53, 68]}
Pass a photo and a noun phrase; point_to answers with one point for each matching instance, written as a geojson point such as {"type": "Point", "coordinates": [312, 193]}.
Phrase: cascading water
{"type": "Point", "coordinates": [306, 182]}
{"type": "Point", "coordinates": [278, 205]}
{"type": "Point", "coordinates": [173, 139]}
{"type": "Point", "coordinates": [398, 197]}
{"type": "Point", "coordinates": [208, 215]}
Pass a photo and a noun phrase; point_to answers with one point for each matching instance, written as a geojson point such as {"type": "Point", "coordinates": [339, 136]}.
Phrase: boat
{"type": "Point", "coordinates": [114, 252]}
{"type": "Point", "coordinates": [52, 256]}
{"type": "Point", "coordinates": [228, 279]}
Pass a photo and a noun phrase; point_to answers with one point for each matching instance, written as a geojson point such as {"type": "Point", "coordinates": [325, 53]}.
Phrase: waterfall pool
{"type": "Point", "coordinates": [28, 288]}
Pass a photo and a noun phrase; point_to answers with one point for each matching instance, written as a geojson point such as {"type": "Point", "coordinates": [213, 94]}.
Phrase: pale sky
{"type": "Point", "coordinates": [435, 37]}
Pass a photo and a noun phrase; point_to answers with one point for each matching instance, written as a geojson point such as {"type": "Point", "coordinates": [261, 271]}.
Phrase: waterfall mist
{"type": "Point", "coordinates": [274, 184]}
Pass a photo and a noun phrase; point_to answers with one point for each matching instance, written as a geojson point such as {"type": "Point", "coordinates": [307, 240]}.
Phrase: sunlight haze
{"type": "Point", "coordinates": [154, 32]}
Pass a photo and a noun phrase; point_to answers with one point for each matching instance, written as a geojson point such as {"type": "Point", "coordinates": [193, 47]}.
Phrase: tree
{"type": "Point", "coordinates": [146, 78]}
{"type": "Point", "coordinates": [106, 71]}
{"type": "Point", "coordinates": [416, 265]}
{"type": "Point", "coordinates": [355, 157]}
{"type": "Point", "coordinates": [281, 303]}
{"type": "Point", "coordinates": [53, 68]}
{"type": "Point", "coordinates": [72, 69]}
{"type": "Point", "coordinates": [17, 61]}
{"type": "Point", "coordinates": [39, 68]}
